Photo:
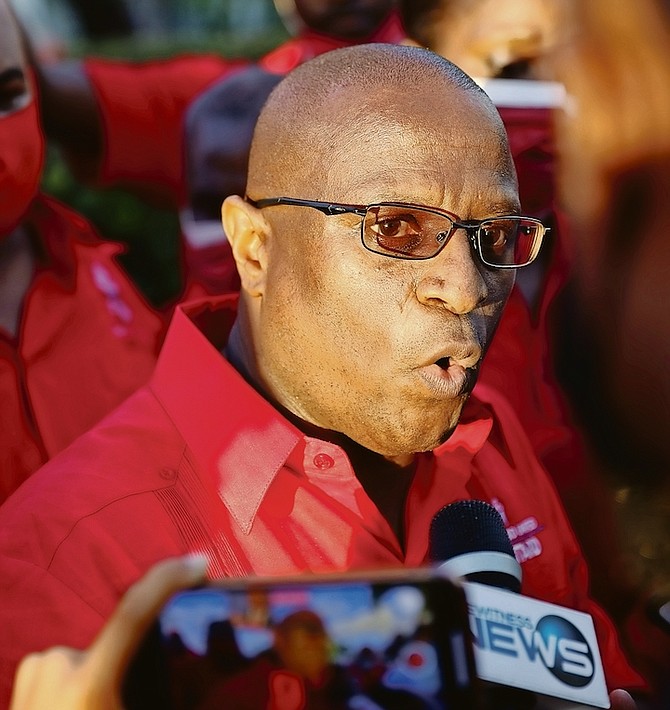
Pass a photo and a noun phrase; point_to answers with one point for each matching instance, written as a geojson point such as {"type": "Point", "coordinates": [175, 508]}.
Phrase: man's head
{"type": "Point", "coordinates": [486, 38]}
{"type": "Point", "coordinates": [303, 645]}
{"type": "Point", "coordinates": [381, 348]}
{"type": "Point", "coordinates": [352, 20]}
{"type": "Point", "coordinates": [21, 142]}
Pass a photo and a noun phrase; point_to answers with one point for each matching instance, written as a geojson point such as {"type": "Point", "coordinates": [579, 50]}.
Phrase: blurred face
{"type": "Point", "coordinates": [347, 19]}
{"type": "Point", "coordinates": [497, 38]}
{"type": "Point", "coordinates": [304, 651]}
{"type": "Point", "coordinates": [21, 142]}
{"type": "Point", "coordinates": [386, 350]}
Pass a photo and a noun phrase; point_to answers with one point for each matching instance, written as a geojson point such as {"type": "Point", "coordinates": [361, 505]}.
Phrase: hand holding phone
{"type": "Point", "coordinates": [68, 679]}
{"type": "Point", "coordinates": [359, 641]}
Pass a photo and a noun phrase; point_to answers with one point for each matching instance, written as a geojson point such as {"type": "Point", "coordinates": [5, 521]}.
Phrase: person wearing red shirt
{"type": "Point", "coordinates": [122, 123]}
{"type": "Point", "coordinates": [321, 422]}
{"type": "Point", "coordinates": [505, 45]}
{"type": "Point", "coordinates": [76, 338]}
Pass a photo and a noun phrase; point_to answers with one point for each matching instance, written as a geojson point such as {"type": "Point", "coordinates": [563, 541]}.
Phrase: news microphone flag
{"type": "Point", "coordinates": [518, 642]}
{"type": "Point", "coordinates": [534, 645]}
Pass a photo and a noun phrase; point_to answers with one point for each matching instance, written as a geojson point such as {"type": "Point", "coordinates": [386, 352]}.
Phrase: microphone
{"type": "Point", "coordinates": [520, 644]}
{"type": "Point", "coordinates": [468, 539]}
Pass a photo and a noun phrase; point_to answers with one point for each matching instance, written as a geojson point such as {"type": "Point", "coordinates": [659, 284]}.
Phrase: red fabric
{"type": "Point", "coordinates": [198, 461]}
{"type": "Point", "coordinates": [310, 44]}
{"type": "Point", "coordinates": [520, 362]}
{"type": "Point", "coordinates": [21, 159]}
{"type": "Point", "coordinates": [142, 107]}
{"type": "Point", "coordinates": [86, 340]}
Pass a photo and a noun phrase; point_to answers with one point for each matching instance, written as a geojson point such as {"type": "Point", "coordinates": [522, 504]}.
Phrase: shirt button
{"type": "Point", "coordinates": [169, 474]}
{"type": "Point", "coordinates": [323, 461]}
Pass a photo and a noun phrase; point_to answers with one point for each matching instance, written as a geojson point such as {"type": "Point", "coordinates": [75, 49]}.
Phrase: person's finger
{"type": "Point", "coordinates": [621, 700]}
{"type": "Point", "coordinates": [112, 650]}
{"type": "Point", "coordinates": [42, 677]}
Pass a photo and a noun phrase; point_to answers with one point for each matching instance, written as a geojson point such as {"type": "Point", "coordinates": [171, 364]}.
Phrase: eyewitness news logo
{"type": "Point", "coordinates": [555, 643]}
{"type": "Point", "coordinates": [536, 646]}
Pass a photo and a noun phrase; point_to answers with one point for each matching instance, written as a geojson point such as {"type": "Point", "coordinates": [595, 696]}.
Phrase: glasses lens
{"type": "Point", "coordinates": [405, 232]}
{"type": "Point", "coordinates": [512, 241]}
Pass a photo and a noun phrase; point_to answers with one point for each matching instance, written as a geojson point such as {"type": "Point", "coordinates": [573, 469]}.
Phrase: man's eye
{"type": "Point", "coordinates": [394, 227]}
{"type": "Point", "coordinates": [397, 234]}
{"type": "Point", "coordinates": [13, 90]}
{"type": "Point", "coordinates": [496, 237]}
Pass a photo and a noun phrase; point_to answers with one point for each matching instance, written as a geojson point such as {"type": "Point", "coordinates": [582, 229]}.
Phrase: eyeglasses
{"type": "Point", "coordinates": [406, 231]}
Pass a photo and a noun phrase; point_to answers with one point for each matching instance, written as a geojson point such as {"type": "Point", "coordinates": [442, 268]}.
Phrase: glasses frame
{"type": "Point", "coordinates": [471, 227]}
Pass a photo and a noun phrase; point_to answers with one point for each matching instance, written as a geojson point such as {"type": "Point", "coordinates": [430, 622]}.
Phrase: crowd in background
{"type": "Point", "coordinates": [589, 320]}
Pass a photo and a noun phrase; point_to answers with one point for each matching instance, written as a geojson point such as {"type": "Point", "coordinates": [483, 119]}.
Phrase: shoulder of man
{"type": "Point", "coordinates": [128, 453]}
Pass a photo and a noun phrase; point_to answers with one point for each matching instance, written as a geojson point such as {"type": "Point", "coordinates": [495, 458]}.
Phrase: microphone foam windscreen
{"type": "Point", "coordinates": [467, 526]}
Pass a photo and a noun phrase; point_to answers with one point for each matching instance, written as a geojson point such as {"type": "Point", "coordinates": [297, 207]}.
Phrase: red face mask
{"type": "Point", "coordinates": [21, 159]}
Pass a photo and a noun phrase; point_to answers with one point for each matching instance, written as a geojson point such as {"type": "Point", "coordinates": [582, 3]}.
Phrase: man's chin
{"type": "Point", "coordinates": [424, 441]}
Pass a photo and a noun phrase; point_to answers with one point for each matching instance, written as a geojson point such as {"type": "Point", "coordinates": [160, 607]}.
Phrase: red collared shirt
{"type": "Point", "coordinates": [310, 44]}
{"type": "Point", "coordinates": [86, 340]}
{"type": "Point", "coordinates": [198, 461]}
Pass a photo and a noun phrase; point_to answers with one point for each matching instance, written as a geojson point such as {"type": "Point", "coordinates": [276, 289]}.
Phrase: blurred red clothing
{"type": "Point", "coordinates": [142, 106]}
{"type": "Point", "coordinates": [86, 340]}
{"type": "Point", "coordinates": [198, 461]}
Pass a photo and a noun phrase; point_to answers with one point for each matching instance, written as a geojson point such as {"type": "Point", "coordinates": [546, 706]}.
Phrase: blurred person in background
{"type": "Point", "coordinates": [614, 178]}
{"type": "Point", "coordinates": [122, 123]}
{"type": "Point", "coordinates": [76, 337]}
{"type": "Point", "coordinates": [505, 45]}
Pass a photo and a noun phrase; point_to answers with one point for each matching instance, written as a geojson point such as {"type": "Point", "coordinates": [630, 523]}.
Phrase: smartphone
{"type": "Point", "coordinates": [359, 641]}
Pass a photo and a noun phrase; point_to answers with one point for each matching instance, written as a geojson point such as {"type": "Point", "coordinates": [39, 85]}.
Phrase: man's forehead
{"type": "Point", "coordinates": [406, 131]}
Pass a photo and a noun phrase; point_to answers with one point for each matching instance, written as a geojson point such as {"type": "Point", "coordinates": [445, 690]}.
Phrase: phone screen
{"type": "Point", "coordinates": [344, 643]}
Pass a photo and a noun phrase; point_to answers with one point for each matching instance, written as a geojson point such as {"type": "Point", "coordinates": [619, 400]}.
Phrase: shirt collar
{"type": "Point", "coordinates": [236, 437]}
{"type": "Point", "coordinates": [474, 427]}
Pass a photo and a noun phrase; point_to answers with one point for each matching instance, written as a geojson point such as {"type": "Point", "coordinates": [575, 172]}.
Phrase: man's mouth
{"type": "Point", "coordinates": [444, 362]}
{"type": "Point", "coordinates": [449, 378]}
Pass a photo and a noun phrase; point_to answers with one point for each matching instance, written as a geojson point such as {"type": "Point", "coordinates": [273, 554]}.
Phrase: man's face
{"type": "Point", "coordinates": [347, 19]}
{"type": "Point", "coordinates": [386, 350]}
{"type": "Point", "coordinates": [21, 140]}
{"type": "Point", "coordinates": [497, 38]}
{"type": "Point", "coordinates": [14, 88]}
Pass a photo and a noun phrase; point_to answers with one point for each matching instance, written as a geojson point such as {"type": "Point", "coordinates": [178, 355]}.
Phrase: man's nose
{"type": "Point", "coordinates": [453, 279]}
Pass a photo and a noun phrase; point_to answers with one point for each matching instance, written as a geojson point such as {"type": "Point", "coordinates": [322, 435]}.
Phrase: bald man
{"type": "Point", "coordinates": [320, 421]}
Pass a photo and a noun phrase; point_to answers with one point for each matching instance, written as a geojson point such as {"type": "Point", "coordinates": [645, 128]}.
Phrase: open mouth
{"type": "Point", "coordinates": [450, 377]}
{"type": "Point", "coordinates": [444, 363]}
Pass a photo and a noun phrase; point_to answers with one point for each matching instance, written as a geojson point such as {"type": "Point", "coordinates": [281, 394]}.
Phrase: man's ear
{"type": "Point", "coordinates": [247, 232]}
